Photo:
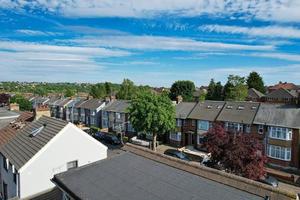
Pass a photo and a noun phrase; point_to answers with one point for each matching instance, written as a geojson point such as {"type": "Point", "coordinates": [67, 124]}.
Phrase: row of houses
{"type": "Point", "coordinates": [277, 126]}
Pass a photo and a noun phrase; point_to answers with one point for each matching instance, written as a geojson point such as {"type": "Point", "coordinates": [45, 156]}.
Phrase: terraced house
{"type": "Point", "coordinates": [275, 125]}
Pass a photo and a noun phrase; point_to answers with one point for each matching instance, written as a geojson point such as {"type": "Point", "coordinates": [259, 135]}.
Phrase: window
{"type": "Point", "coordinates": [280, 133]}
{"type": "Point", "coordinates": [201, 139]}
{"type": "Point", "coordinates": [278, 152]}
{"type": "Point", "coordinates": [72, 164]}
{"type": "Point", "coordinates": [175, 136]}
{"type": "Point", "coordinates": [203, 125]}
{"type": "Point", "coordinates": [178, 122]}
{"type": "Point", "coordinates": [248, 128]}
{"type": "Point", "coordinates": [118, 115]}
{"type": "Point", "coordinates": [236, 127]}
{"type": "Point", "coordinates": [93, 121]}
{"type": "Point", "coordinates": [193, 122]}
{"type": "Point", "coordinates": [15, 178]}
{"type": "Point", "coordinates": [4, 163]}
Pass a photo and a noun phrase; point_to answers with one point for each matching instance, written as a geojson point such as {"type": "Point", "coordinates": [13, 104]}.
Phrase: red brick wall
{"type": "Point", "coordinates": [295, 149]}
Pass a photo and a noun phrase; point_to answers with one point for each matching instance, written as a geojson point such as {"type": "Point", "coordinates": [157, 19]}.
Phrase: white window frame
{"type": "Point", "coordinates": [278, 152]}
{"type": "Point", "coordinates": [203, 125]}
{"type": "Point", "coordinates": [72, 164]}
{"type": "Point", "coordinates": [280, 133]}
{"type": "Point", "coordinates": [175, 136]}
{"type": "Point", "coordinates": [178, 122]}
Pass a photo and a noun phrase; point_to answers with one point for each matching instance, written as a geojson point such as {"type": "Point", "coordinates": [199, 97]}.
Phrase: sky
{"type": "Point", "coordinates": [150, 42]}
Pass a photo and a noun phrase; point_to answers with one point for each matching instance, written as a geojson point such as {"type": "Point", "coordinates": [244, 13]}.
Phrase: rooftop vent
{"type": "Point", "coordinates": [241, 108]}
{"type": "Point", "coordinates": [219, 107]}
{"type": "Point", "coordinates": [253, 107]}
{"type": "Point", "coordinates": [37, 131]}
{"type": "Point", "coordinates": [209, 106]}
{"type": "Point", "coordinates": [229, 107]}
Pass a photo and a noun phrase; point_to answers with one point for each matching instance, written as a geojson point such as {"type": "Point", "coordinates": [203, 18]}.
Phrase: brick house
{"type": "Point", "coordinates": [254, 95]}
{"type": "Point", "coordinates": [279, 125]}
{"type": "Point", "coordinates": [184, 133]}
{"type": "Point", "coordinates": [281, 96]}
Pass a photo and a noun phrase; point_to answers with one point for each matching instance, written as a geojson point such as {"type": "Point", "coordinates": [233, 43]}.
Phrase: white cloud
{"type": "Point", "coordinates": [267, 31]}
{"type": "Point", "coordinates": [281, 56]}
{"type": "Point", "coordinates": [37, 33]}
{"type": "Point", "coordinates": [165, 43]}
{"type": "Point", "coordinates": [278, 10]}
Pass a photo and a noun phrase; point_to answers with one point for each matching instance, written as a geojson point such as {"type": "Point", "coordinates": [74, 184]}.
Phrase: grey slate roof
{"type": "Point", "coordinates": [91, 104]}
{"type": "Point", "coordinates": [207, 110]}
{"type": "Point", "coordinates": [132, 177]}
{"type": "Point", "coordinates": [238, 112]}
{"type": "Point", "coordinates": [119, 106]}
{"type": "Point", "coordinates": [253, 93]}
{"type": "Point", "coordinates": [281, 93]}
{"type": "Point", "coordinates": [183, 109]}
{"type": "Point", "coordinates": [20, 149]}
{"type": "Point", "coordinates": [278, 115]}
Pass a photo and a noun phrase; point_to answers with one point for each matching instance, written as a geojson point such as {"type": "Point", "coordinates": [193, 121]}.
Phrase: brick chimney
{"type": "Point", "coordinates": [14, 106]}
{"type": "Point", "coordinates": [179, 99]}
{"type": "Point", "coordinates": [40, 111]}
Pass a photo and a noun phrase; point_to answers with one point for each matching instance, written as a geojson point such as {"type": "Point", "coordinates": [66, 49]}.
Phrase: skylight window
{"type": "Point", "coordinates": [253, 107]}
{"type": "Point", "coordinates": [37, 131]}
{"type": "Point", "coordinates": [209, 106]}
{"type": "Point", "coordinates": [229, 107]}
{"type": "Point", "coordinates": [241, 108]}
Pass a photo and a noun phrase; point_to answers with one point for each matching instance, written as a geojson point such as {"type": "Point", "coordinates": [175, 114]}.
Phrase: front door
{"type": "Point", "coordinates": [5, 191]}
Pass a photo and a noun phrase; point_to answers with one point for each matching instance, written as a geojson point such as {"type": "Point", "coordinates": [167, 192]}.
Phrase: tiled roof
{"type": "Point", "coordinates": [278, 115]}
{"type": "Point", "coordinates": [12, 128]}
{"type": "Point", "coordinates": [281, 94]}
{"type": "Point", "coordinates": [21, 148]}
{"type": "Point", "coordinates": [238, 112]}
{"type": "Point", "coordinates": [183, 109]}
{"type": "Point", "coordinates": [253, 93]}
{"type": "Point", "coordinates": [207, 110]}
{"type": "Point", "coordinates": [91, 104]}
{"type": "Point", "coordinates": [287, 86]}
{"type": "Point", "coordinates": [119, 106]}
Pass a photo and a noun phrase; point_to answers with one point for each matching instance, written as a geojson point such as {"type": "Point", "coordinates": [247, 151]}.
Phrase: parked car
{"type": "Point", "coordinates": [99, 135]}
{"type": "Point", "coordinates": [177, 154]}
{"type": "Point", "coordinates": [269, 180]}
{"type": "Point", "coordinates": [111, 139]}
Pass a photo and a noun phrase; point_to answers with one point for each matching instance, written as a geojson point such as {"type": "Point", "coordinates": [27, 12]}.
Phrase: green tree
{"type": "Point", "coordinates": [255, 81]}
{"type": "Point", "coordinates": [183, 88]}
{"type": "Point", "coordinates": [98, 91]}
{"type": "Point", "coordinates": [108, 88]}
{"type": "Point", "coordinates": [127, 90]}
{"type": "Point", "coordinates": [152, 113]}
{"type": "Point", "coordinates": [235, 88]}
{"type": "Point", "coordinates": [69, 92]}
{"type": "Point", "coordinates": [24, 104]}
{"type": "Point", "coordinates": [211, 90]}
{"type": "Point", "coordinates": [40, 91]}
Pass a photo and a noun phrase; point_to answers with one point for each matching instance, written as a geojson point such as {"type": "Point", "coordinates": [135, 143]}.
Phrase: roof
{"type": "Point", "coordinates": [64, 102]}
{"type": "Point", "coordinates": [238, 112]}
{"type": "Point", "coordinates": [11, 129]}
{"type": "Point", "coordinates": [281, 93]}
{"type": "Point", "coordinates": [183, 109]}
{"type": "Point", "coordinates": [207, 110]}
{"type": "Point", "coordinates": [20, 149]}
{"type": "Point", "coordinates": [253, 93]}
{"type": "Point", "coordinates": [132, 177]}
{"type": "Point", "coordinates": [91, 104]}
{"type": "Point", "coordinates": [278, 115]}
{"type": "Point", "coordinates": [119, 106]}
{"type": "Point", "coordinates": [287, 86]}
{"type": "Point", "coordinates": [6, 117]}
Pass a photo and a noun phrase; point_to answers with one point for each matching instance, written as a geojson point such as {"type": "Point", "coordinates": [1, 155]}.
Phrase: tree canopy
{"type": "Point", "coordinates": [127, 90]}
{"type": "Point", "coordinates": [235, 88]}
{"type": "Point", "coordinates": [98, 91]}
{"type": "Point", "coordinates": [255, 81]}
{"type": "Point", "coordinates": [240, 154]}
{"type": "Point", "coordinates": [183, 88]}
{"type": "Point", "coordinates": [69, 92]}
{"type": "Point", "coordinates": [24, 104]}
{"type": "Point", "coordinates": [152, 113]}
{"type": "Point", "coordinates": [214, 91]}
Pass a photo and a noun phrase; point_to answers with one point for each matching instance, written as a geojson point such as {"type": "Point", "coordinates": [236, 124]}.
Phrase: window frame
{"type": "Point", "coordinates": [73, 166]}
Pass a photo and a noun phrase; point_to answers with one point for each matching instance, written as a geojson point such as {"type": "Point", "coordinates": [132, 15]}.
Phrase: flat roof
{"type": "Point", "coordinates": [132, 177]}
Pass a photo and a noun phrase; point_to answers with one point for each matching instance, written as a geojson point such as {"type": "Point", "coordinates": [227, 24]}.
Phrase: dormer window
{"type": "Point", "coordinates": [229, 107]}
{"type": "Point", "coordinates": [241, 108]}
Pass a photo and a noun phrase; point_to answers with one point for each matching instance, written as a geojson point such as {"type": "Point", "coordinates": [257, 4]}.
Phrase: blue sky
{"type": "Point", "coordinates": [150, 42]}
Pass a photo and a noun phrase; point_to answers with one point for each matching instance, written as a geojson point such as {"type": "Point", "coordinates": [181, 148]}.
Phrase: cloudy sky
{"type": "Point", "coordinates": [151, 42]}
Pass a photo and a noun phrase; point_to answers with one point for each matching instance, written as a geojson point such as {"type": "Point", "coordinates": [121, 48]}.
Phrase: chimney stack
{"type": "Point", "coordinates": [179, 99]}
